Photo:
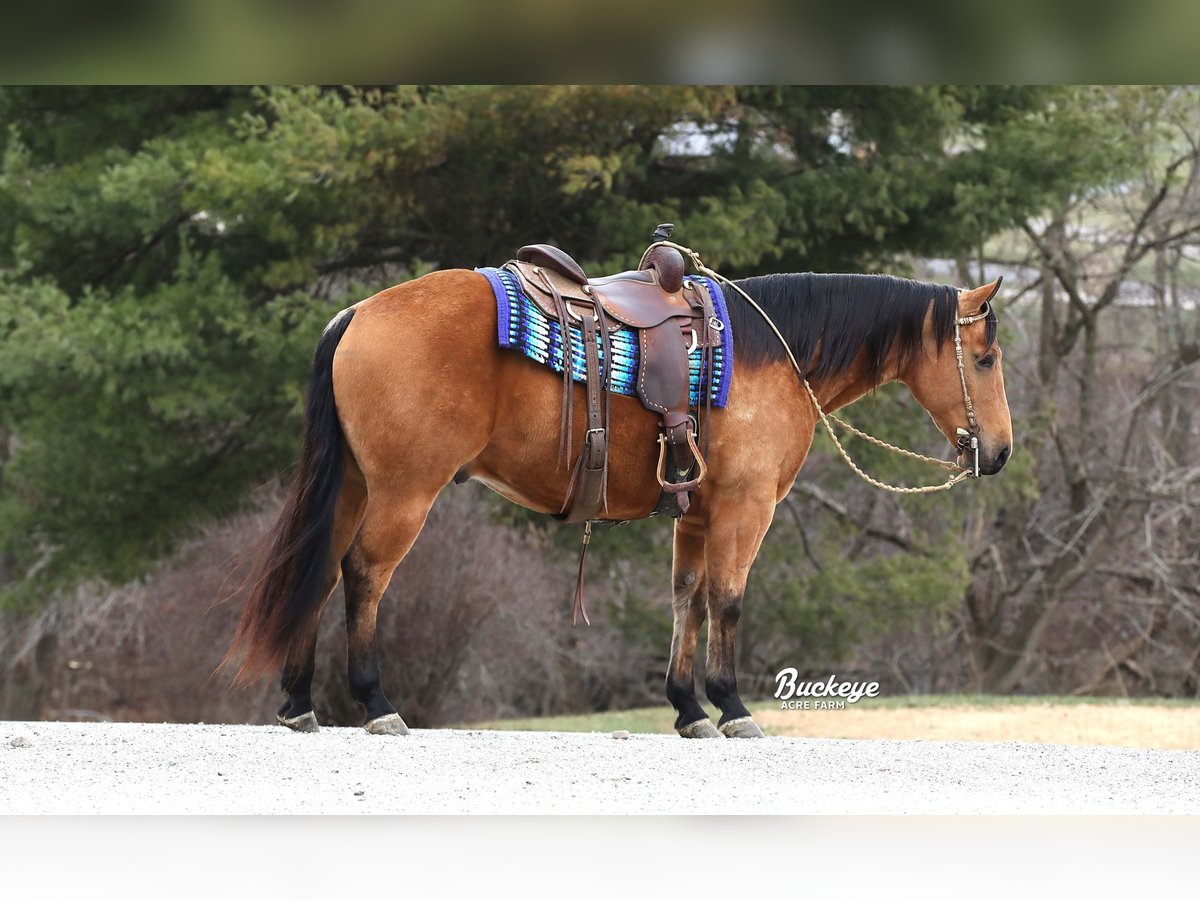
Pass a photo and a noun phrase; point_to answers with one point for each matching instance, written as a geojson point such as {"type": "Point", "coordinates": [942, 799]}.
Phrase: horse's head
{"type": "Point", "coordinates": [935, 380]}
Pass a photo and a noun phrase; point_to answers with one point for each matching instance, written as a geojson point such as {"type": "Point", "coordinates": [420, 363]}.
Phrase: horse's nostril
{"type": "Point", "coordinates": [1002, 457]}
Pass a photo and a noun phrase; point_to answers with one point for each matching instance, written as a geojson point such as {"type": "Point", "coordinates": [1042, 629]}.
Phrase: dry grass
{"type": "Point", "coordinates": [1158, 727]}
{"type": "Point", "coordinates": [1164, 725]}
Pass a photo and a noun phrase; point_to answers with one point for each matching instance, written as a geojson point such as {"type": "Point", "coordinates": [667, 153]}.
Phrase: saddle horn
{"type": "Point", "coordinates": [667, 262]}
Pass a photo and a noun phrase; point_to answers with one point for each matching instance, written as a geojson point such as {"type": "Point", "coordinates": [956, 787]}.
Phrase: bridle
{"type": "Point", "coordinates": [968, 438]}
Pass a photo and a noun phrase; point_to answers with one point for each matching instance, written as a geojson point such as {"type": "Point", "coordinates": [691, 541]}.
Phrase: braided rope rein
{"type": "Point", "coordinates": [828, 419]}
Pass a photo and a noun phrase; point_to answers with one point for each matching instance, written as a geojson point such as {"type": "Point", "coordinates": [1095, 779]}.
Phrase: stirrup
{"type": "Point", "coordinates": [661, 470]}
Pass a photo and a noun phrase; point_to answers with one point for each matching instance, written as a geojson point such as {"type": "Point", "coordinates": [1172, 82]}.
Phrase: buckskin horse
{"type": "Point", "coordinates": [410, 391]}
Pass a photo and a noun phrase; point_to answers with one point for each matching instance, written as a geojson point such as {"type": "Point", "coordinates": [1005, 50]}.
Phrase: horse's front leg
{"type": "Point", "coordinates": [735, 532]}
{"type": "Point", "coordinates": [688, 602]}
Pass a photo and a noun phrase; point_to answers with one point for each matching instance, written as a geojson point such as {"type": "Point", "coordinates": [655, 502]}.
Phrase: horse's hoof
{"type": "Point", "coordinates": [389, 724]}
{"type": "Point", "coordinates": [745, 727]}
{"type": "Point", "coordinates": [701, 728]}
{"type": "Point", "coordinates": [306, 722]}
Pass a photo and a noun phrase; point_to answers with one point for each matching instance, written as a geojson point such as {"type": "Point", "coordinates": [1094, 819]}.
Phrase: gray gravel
{"type": "Point", "coordinates": [52, 767]}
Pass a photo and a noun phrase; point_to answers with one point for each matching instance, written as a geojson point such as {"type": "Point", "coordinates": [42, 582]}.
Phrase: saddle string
{"type": "Point", "coordinates": [577, 606]}
{"type": "Point", "coordinates": [828, 419]}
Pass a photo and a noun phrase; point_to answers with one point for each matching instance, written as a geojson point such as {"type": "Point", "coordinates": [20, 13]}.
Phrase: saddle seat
{"type": "Point", "coordinates": [640, 299]}
{"type": "Point", "coordinates": [672, 318]}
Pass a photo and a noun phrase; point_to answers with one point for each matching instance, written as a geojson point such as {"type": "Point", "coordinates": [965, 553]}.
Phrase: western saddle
{"type": "Point", "coordinates": [671, 318]}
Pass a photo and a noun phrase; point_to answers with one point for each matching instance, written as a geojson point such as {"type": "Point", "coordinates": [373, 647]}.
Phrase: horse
{"type": "Point", "coordinates": [410, 391]}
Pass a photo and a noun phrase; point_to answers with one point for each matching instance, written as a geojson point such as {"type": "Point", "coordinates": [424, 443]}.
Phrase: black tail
{"type": "Point", "coordinates": [294, 578]}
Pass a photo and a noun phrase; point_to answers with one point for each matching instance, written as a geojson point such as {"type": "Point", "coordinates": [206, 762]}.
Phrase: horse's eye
{"type": "Point", "coordinates": [986, 362]}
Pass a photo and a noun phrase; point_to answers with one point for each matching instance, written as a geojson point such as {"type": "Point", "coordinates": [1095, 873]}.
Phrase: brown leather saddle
{"type": "Point", "coordinates": [672, 318]}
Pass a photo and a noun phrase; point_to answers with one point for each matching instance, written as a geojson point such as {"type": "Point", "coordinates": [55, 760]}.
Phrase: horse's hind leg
{"type": "Point", "coordinates": [297, 711]}
{"type": "Point", "coordinates": [732, 538]}
{"type": "Point", "coordinates": [389, 529]}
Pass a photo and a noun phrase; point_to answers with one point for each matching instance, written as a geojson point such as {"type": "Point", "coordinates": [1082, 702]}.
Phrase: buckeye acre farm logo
{"type": "Point", "coordinates": [828, 694]}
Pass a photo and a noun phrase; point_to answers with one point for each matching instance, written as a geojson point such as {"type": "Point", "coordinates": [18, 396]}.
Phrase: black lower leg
{"type": "Point", "coordinates": [366, 685]}
{"type": "Point", "coordinates": [297, 680]}
{"type": "Point", "coordinates": [720, 671]}
{"type": "Point", "coordinates": [681, 692]}
{"type": "Point", "coordinates": [722, 693]}
{"type": "Point", "coordinates": [681, 680]}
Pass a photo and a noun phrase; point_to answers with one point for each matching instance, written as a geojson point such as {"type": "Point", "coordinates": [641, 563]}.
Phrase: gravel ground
{"type": "Point", "coordinates": [52, 767]}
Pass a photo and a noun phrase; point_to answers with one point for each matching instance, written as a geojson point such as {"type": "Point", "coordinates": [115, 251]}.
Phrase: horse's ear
{"type": "Point", "coordinates": [975, 298]}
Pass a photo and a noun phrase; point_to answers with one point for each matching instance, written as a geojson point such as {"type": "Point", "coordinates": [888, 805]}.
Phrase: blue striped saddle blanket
{"type": "Point", "coordinates": [525, 328]}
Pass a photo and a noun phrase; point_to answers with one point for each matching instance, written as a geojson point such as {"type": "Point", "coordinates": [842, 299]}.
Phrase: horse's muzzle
{"type": "Point", "coordinates": [997, 461]}
{"type": "Point", "coordinates": [989, 463]}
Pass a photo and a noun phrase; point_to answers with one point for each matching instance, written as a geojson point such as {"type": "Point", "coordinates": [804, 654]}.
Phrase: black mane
{"type": "Point", "coordinates": [828, 320]}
